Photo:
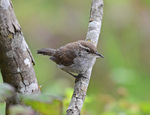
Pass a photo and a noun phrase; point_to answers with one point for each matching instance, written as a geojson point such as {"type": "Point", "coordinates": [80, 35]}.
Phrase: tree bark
{"type": "Point", "coordinates": [16, 61]}
{"type": "Point", "coordinates": [82, 83]}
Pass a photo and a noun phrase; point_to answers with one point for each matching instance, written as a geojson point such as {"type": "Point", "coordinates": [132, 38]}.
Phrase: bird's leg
{"type": "Point", "coordinates": [79, 76]}
{"type": "Point", "coordinates": [75, 76]}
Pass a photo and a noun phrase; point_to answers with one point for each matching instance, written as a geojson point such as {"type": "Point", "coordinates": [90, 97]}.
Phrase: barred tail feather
{"type": "Point", "coordinates": [46, 51]}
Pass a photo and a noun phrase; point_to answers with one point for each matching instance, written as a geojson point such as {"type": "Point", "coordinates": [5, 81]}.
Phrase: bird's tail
{"type": "Point", "coordinates": [46, 51]}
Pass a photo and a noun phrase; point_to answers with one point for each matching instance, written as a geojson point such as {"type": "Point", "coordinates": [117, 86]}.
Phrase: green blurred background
{"type": "Point", "coordinates": [120, 82]}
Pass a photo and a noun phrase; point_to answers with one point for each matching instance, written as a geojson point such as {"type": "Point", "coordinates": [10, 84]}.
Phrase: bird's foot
{"type": "Point", "coordinates": [77, 77]}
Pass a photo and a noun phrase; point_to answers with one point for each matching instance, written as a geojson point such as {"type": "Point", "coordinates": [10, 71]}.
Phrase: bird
{"type": "Point", "coordinates": [73, 58]}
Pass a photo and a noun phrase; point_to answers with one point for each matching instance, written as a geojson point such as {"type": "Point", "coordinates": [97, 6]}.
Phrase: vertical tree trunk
{"type": "Point", "coordinates": [81, 85]}
{"type": "Point", "coordinates": [16, 61]}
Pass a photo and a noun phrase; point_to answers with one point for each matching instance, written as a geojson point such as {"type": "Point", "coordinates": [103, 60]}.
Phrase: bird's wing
{"type": "Point", "coordinates": [64, 55]}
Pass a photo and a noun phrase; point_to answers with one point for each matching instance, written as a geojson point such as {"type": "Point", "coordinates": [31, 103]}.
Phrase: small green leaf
{"type": "Point", "coordinates": [46, 105]}
{"type": "Point", "coordinates": [6, 91]}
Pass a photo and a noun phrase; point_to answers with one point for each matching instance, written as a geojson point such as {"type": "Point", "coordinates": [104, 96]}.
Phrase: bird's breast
{"type": "Point", "coordinates": [80, 65]}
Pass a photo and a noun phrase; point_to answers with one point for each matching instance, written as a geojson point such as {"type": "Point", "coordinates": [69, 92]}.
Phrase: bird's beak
{"type": "Point", "coordinates": [99, 55]}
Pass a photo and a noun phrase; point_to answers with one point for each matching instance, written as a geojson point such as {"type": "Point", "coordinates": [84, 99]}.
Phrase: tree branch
{"type": "Point", "coordinates": [81, 84]}
{"type": "Point", "coordinates": [16, 61]}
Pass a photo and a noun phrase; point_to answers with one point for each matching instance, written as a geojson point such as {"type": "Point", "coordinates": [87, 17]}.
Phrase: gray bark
{"type": "Point", "coordinates": [16, 61]}
{"type": "Point", "coordinates": [81, 84]}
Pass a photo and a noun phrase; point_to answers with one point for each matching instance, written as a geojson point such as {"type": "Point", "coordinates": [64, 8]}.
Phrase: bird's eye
{"type": "Point", "coordinates": [88, 50]}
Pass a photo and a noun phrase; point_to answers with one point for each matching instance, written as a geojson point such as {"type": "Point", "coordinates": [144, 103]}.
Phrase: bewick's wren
{"type": "Point", "coordinates": [75, 57]}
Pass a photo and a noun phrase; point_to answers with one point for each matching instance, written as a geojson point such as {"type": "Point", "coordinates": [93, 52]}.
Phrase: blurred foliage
{"type": "Point", "coordinates": [106, 104]}
{"type": "Point", "coordinates": [120, 82]}
{"type": "Point", "coordinates": [20, 110]}
{"type": "Point", "coordinates": [6, 91]}
{"type": "Point", "coordinates": [46, 105]}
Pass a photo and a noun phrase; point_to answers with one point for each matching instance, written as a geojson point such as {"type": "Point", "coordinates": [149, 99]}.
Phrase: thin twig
{"type": "Point", "coordinates": [82, 83]}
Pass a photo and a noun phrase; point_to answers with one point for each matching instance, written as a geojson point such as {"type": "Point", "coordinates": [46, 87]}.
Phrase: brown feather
{"type": "Point", "coordinates": [66, 54]}
{"type": "Point", "coordinates": [89, 45]}
{"type": "Point", "coordinates": [46, 51]}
